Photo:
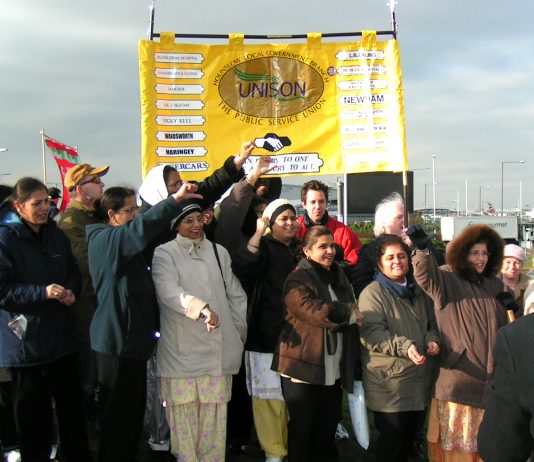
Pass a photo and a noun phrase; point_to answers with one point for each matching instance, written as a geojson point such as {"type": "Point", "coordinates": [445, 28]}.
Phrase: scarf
{"type": "Point", "coordinates": [309, 223]}
{"type": "Point", "coordinates": [407, 291]}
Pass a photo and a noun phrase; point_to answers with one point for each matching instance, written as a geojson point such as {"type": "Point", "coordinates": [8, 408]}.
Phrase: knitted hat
{"type": "Point", "coordinates": [277, 207]}
{"type": "Point", "coordinates": [186, 207]}
{"type": "Point", "coordinates": [512, 250]}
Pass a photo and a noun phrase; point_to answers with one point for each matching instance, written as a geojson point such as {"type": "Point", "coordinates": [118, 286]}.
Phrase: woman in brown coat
{"type": "Point", "coordinates": [466, 295]}
{"type": "Point", "coordinates": [313, 356]}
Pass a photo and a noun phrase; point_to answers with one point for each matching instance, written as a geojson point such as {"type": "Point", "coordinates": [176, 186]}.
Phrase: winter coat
{"type": "Point", "coordinates": [300, 353]}
{"type": "Point", "coordinates": [28, 264]}
{"type": "Point", "coordinates": [467, 313]}
{"type": "Point", "coordinates": [73, 222]}
{"type": "Point", "coordinates": [507, 432]}
{"type": "Point", "coordinates": [391, 324]}
{"type": "Point", "coordinates": [263, 274]}
{"type": "Point", "coordinates": [126, 315]}
{"type": "Point", "coordinates": [347, 239]}
{"type": "Point", "coordinates": [187, 277]}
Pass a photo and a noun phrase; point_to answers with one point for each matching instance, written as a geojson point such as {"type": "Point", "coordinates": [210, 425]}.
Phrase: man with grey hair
{"type": "Point", "coordinates": [389, 216]}
{"type": "Point", "coordinates": [389, 219]}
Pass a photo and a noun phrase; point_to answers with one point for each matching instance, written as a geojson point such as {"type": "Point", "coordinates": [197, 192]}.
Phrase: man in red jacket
{"type": "Point", "coordinates": [314, 196]}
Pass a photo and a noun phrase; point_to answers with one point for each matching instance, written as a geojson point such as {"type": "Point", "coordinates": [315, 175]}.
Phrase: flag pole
{"type": "Point", "coordinates": [43, 153]}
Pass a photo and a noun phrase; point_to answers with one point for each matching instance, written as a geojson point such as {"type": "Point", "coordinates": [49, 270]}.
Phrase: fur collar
{"type": "Point", "coordinates": [458, 251]}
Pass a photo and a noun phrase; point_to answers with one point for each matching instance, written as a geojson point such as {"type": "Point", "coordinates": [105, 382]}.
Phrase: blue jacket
{"type": "Point", "coordinates": [28, 264]}
{"type": "Point", "coordinates": [126, 315]}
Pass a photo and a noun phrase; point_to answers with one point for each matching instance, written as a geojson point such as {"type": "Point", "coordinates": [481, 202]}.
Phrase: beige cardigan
{"type": "Point", "coordinates": [187, 277]}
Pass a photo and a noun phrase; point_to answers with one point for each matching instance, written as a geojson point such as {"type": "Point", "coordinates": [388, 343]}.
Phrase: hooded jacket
{"type": "Point", "coordinates": [28, 264]}
{"type": "Point", "coordinates": [467, 313]}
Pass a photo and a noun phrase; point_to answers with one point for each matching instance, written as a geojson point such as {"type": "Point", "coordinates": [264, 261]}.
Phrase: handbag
{"type": "Point", "coordinates": [358, 414]}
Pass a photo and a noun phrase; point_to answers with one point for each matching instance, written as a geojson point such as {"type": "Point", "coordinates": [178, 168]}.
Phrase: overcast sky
{"type": "Point", "coordinates": [71, 68]}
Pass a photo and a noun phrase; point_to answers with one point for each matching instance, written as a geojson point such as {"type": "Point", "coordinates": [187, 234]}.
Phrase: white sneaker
{"type": "Point", "coordinates": [53, 451]}
{"type": "Point", "coordinates": [12, 456]}
{"type": "Point", "coordinates": [341, 432]}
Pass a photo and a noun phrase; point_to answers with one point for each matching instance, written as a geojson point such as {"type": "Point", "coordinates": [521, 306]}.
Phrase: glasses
{"type": "Point", "coordinates": [95, 180]}
{"type": "Point", "coordinates": [479, 254]}
{"type": "Point", "coordinates": [191, 220]}
{"type": "Point", "coordinates": [129, 211]}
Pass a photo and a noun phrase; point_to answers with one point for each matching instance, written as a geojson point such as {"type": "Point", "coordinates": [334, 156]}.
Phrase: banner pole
{"type": "Point", "coordinates": [43, 153]}
{"type": "Point", "coordinates": [392, 4]}
{"type": "Point", "coordinates": [345, 195]}
{"type": "Point", "coordinates": [152, 8]}
{"type": "Point", "coordinates": [405, 193]}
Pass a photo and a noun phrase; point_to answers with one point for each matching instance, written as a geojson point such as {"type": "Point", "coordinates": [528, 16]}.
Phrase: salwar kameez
{"type": "Point", "coordinates": [196, 411]}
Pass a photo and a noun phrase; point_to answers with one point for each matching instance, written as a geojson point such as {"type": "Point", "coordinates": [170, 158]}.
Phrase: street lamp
{"type": "Point", "coordinates": [426, 184]}
{"type": "Point", "coordinates": [502, 180]}
{"type": "Point", "coordinates": [416, 170]}
{"type": "Point", "coordinates": [480, 198]}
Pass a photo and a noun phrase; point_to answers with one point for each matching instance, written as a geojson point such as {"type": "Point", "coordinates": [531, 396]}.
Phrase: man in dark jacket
{"type": "Point", "coordinates": [507, 431]}
{"type": "Point", "coordinates": [85, 186]}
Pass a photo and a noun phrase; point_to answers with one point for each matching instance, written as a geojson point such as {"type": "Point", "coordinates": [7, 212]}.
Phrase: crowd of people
{"type": "Point", "coordinates": [251, 316]}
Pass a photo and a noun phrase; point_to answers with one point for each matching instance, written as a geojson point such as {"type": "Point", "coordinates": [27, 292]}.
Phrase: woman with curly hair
{"type": "Point", "coordinates": [468, 301]}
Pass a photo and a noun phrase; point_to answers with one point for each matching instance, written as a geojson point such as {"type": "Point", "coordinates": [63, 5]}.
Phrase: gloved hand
{"type": "Point", "coordinates": [418, 236]}
{"type": "Point", "coordinates": [508, 301]}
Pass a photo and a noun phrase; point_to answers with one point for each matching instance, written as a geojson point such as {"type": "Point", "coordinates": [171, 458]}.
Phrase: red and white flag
{"type": "Point", "coordinates": [65, 157]}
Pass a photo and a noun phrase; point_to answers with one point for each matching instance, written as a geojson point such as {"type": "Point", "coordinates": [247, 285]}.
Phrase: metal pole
{"type": "Point", "coordinates": [43, 154]}
{"type": "Point", "coordinates": [502, 189]}
{"type": "Point", "coordinates": [392, 4]}
{"type": "Point", "coordinates": [434, 186]}
{"type": "Point", "coordinates": [345, 198]}
{"type": "Point", "coordinates": [406, 194]}
{"type": "Point", "coordinates": [151, 21]}
{"type": "Point", "coordinates": [340, 208]}
{"type": "Point", "coordinates": [502, 179]}
{"type": "Point", "coordinates": [480, 199]}
{"type": "Point", "coordinates": [466, 197]}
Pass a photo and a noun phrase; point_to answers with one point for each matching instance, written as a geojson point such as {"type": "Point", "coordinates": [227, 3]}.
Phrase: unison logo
{"type": "Point", "coordinates": [271, 87]}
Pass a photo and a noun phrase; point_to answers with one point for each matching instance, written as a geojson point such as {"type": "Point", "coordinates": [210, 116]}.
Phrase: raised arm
{"type": "Point", "coordinates": [234, 207]}
{"type": "Point", "coordinates": [215, 185]}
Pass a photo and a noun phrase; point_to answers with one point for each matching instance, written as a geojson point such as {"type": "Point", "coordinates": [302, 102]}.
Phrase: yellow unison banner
{"type": "Point", "coordinates": [316, 107]}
